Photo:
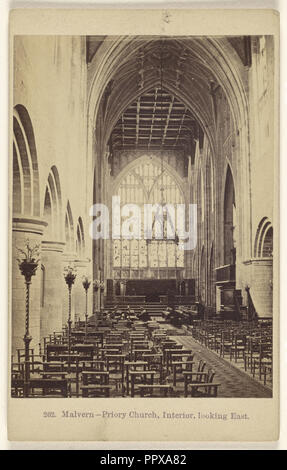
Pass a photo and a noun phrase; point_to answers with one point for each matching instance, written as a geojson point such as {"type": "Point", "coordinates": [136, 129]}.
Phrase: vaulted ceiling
{"type": "Point", "coordinates": [142, 105]}
{"type": "Point", "coordinates": [156, 120]}
{"type": "Point", "coordinates": [159, 91]}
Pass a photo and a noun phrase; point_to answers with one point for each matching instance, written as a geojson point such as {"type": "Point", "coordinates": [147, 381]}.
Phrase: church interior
{"type": "Point", "coordinates": [151, 120]}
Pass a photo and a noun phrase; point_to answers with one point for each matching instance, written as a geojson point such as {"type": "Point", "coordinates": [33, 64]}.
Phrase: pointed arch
{"type": "Point", "coordinates": [80, 240]}
{"type": "Point", "coordinates": [263, 246]}
{"type": "Point", "coordinates": [211, 278]}
{"type": "Point", "coordinates": [69, 228]}
{"type": "Point", "coordinates": [115, 56]}
{"type": "Point", "coordinates": [210, 187]}
{"type": "Point", "coordinates": [26, 195]}
{"type": "Point", "coordinates": [202, 290]}
{"type": "Point", "coordinates": [149, 180]}
{"type": "Point", "coordinates": [202, 197]}
{"type": "Point", "coordinates": [53, 206]}
{"type": "Point", "coordinates": [229, 218]}
{"type": "Point", "coordinates": [156, 161]}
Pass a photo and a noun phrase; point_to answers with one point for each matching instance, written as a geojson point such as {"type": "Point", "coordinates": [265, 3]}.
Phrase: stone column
{"type": "Point", "coordinates": [261, 285]}
{"type": "Point", "coordinates": [51, 309]}
{"type": "Point", "coordinates": [218, 299]}
{"type": "Point", "coordinates": [24, 228]}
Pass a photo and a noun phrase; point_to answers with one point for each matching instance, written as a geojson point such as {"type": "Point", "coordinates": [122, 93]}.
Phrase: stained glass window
{"type": "Point", "coordinates": [149, 183]}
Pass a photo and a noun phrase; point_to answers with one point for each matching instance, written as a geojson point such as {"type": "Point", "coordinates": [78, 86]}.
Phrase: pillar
{"type": "Point", "coordinates": [24, 228]}
{"type": "Point", "coordinates": [51, 308]}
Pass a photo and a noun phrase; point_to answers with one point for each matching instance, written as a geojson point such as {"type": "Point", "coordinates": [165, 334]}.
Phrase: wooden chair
{"type": "Point", "coordinates": [180, 367]}
{"type": "Point", "coordinates": [263, 358]}
{"type": "Point", "coordinates": [267, 371]}
{"type": "Point", "coordinates": [135, 366]}
{"type": "Point", "coordinates": [141, 378]}
{"type": "Point", "coordinates": [168, 351]}
{"type": "Point", "coordinates": [17, 379]}
{"type": "Point", "coordinates": [150, 390]}
{"type": "Point", "coordinates": [95, 377]}
{"type": "Point", "coordinates": [92, 391]}
{"type": "Point", "coordinates": [205, 388]}
{"type": "Point", "coordinates": [49, 386]}
{"type": "Point", "coordinates": [84, 351]}
{"type": "Point", "coordinates": [251, 351]}
{"type": "Point", "coordinates": [226, 342]}
{"type": "Point", "coordinates": [155, 362]}
{"type": "Point", "coordinates": [55, 351]}
{"type": "Point", "coordinates": [138, 354]}
{"type": "Point", "coordinates": [94, 365]}
{"type": "Point", "coordinates": [238, 347]}
{"type": "Point", "coordinates": [196, 376]}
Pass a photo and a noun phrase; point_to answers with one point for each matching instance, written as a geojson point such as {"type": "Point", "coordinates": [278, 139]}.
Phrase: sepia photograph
{"type": "Point", "coordinates": [143, 220]}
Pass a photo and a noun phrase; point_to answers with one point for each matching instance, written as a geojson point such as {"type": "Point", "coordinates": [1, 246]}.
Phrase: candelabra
{"type": "Point", "coordinates": [70, 275]}
{"type": "Point", "coordinates": [28, 264]}
{"type": "Point", "coordinates": [86, 285]}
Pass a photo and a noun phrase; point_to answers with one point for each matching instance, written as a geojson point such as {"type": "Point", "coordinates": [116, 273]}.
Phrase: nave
{"type": "Point", "coordinates": [121, 354]}
{"type": "Point", "coordinates": [148, 121]}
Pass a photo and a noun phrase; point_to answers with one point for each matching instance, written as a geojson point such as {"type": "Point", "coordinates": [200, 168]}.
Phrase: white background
{"type": "Point", "coordinates": [5, 6]}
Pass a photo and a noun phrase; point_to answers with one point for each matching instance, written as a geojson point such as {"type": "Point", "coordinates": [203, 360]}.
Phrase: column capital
{"type": "Point", "coordinates": [70, 257]}
{"type": "Point", "coordinates": [82, 263]}
{"type": "Point", "coordinates": [56, 246]}
{"type": "Point", "coordinates": [28, 224]}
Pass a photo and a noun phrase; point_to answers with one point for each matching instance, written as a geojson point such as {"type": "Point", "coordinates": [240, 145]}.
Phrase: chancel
{"type": "Point", "coordinates": [142, 217]}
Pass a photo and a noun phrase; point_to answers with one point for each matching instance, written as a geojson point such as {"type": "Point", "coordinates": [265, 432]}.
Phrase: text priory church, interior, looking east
{"type": "Point", "coordinates": [180, 122]}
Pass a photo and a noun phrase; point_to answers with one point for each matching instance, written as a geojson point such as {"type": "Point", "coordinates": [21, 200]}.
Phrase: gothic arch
{"type": "Point", "coordinates": [26, 195]}
{"type": "Point", "coordinates": [211, 278]}
{"type": "Point", "coordinates": [200, 203]}
{"type": "Point", "coordinates": [210, 186]}
{"type": "Point", "coordinates": [202, 277]}
{"type": "Point", "coordinates": [228, 218]}
{"type": "Point", "coordinates": [80, 240]}
{"type": "Point", "coordinates": [69, 229]}
{"type": "Point", "coordinates": [53, 206]}
{"type": "Point", "coordinates": [114, 63]}
{"type": "Point", "coordinates": [263, 246]}
{"type": "Point", "coordinates": [181, 95]}
{"type": "Point", "coordinates": [215, 54]}
{"type": "Point", "coordinates": [157, 161]}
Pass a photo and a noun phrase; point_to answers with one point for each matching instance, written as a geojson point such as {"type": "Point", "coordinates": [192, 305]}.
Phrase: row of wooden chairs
{"type": "Point", "coordinates": [248, 343]}
{"type": "Point", "coordinates": [141, 360]}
